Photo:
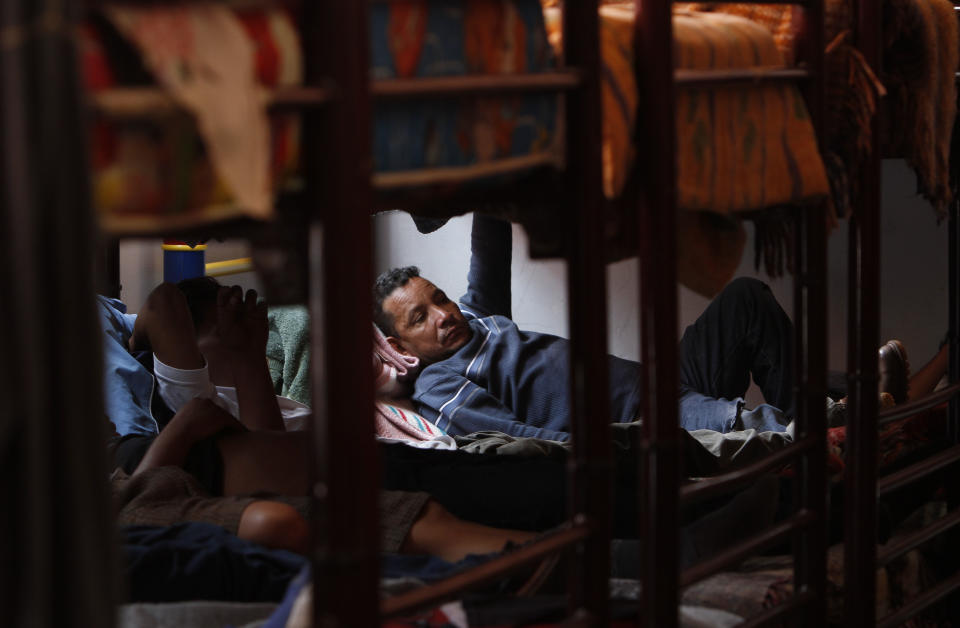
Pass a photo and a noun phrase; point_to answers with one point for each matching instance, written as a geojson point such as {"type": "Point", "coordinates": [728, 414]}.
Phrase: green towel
{"type": "Point", "coordinates": [288, 351]}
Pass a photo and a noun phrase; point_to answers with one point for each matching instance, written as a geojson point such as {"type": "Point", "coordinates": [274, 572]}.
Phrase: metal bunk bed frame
{"type": "Point", "coordinates": [862, 484]}
{"type": "Point", "coordinates": [337, 107]}
{"type": "Point", "coordinates": [661, 498]}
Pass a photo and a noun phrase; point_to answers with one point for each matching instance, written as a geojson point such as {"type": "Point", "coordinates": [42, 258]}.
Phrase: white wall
{"type": "Point", "coordinates": [141, 267]}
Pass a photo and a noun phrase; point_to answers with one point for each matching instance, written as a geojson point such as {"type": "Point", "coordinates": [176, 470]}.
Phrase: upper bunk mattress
{"type": "Point", "coordinates": [739, 147]}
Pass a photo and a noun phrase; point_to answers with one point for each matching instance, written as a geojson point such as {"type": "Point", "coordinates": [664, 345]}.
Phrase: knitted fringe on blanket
{"type": "Point", "coordinates": [853, 92]}
{"type": "Point", "coordinates": [922, 55]}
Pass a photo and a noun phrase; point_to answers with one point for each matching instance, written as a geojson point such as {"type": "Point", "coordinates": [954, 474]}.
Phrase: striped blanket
{"type": "Point", "coordinates": [740, 148]}
{"type": "Point", "coordinates": [921, 51]}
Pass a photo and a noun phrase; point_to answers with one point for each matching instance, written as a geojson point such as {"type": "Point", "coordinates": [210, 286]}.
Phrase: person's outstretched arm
{"type": "Point", "coordinates": [196, 420]}
{"type": "Point", "coordinates": [488, 282]}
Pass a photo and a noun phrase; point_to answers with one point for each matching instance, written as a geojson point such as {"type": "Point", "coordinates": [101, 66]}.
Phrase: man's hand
{"type": "Point", "coordinates": [242, 322]}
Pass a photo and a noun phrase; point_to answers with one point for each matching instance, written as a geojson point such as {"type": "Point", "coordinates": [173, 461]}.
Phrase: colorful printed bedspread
{"type": "Point", "coordinates": [739, 147]}
{"type": "Point", "coordinates": [156, 175]}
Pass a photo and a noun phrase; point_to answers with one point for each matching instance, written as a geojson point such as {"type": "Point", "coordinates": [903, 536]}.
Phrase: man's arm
{"type": "Point", "coordinates": [196, 420]}
{"type": "Point", "coordinates": [460, 407]}
{"type": "Point", "coordinates": [488, 282]}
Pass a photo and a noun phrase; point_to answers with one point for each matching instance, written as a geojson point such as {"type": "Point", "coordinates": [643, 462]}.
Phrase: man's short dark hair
{"type": "Point", "coordinates": [386, 283]}
{"type": "Point", "coordinates": [201, 295]}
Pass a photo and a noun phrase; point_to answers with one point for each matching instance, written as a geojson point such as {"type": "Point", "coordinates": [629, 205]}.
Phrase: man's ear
{"type": "Point", "coordinates": [398, 346]}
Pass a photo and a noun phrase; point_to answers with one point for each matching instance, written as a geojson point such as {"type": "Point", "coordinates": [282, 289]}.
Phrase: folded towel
{"type": "Point", "coordinates": [288, 351]}
{"type": "Point", "coordinates": [400, 423]}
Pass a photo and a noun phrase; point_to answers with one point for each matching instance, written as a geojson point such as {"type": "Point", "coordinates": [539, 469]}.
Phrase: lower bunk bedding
{"type": "Point", "coordinates": [194, 561]}
{"type": "Point", "coordinates": [759, 583]}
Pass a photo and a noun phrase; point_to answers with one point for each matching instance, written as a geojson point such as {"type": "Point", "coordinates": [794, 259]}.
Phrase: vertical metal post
{"type": "Point", "coordinates": [656, 172]}
{"type": "Point", "coordinates": [337, 151]}
{"type": "Point", "coordinates": [810, 324]}
{"type": "Point", "coordinates": [107, 268]}
{"type": "Point", "coordinates": [590, 471]}
{"type": "Point", "coordinates": [860, 482]}
{"type": "Point", "coordinates": [953, 278]}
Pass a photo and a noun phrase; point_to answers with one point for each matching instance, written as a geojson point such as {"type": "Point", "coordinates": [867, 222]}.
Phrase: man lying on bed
{"type": "Point", "coordinates": [481, 372]}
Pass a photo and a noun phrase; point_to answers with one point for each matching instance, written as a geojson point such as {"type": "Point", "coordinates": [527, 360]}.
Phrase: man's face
{"type": "Point", "coordinates": [428, 324]}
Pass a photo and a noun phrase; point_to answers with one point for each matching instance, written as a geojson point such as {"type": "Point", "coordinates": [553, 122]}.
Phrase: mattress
{"type": "Point", "coordinates": [739, 148]}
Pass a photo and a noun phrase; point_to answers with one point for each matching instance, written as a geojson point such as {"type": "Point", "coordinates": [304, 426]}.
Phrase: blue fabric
{"type": "Point", "coordinates": [515, 382]}
{"type": "Point", "coordinates": [281, 615]}
{"type": "Point", "coordinates": [200, 561]}
{"type": "Point", "coordinates": [442, 41]}
{"type": "Point", "coordinates": [127, 383]}
{"type": "Point", "coordinates": [699, 412]}
{"type": "Point", "coordinates": [505, 379]}
{"type": "Point", "coordinates": [425, 568]}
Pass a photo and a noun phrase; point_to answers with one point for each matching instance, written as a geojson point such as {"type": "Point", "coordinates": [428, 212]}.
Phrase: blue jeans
{"type": "Point", "coordinates": [743, 332]}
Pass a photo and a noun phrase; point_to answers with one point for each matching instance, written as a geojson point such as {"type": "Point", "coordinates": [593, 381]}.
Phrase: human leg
{"type": "Point", "coordinates": [276, 525]}
{"type": "Point", "coordinates": [439, 533]}
{"type": "Point", "coordinates": [743, 332]}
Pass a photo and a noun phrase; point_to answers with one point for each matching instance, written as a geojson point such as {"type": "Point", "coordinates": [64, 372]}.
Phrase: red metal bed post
{"type": "Point", "coordinates": [107, 267]}
{"type": "Point", "coordinates": [656, 171]}
{"type": "Point", "coordinates": [810, 315]}
{"type": "Point", "coordinates": [346, 565]}
{"type": "Point", "coordinates": [590, 469]}
{"type": "Point", "coordinates": [860, 482]}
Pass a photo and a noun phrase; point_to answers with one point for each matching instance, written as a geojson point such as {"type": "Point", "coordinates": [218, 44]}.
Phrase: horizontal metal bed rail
{"type": "Point", "coordinates": [738, 552]}
{"type": "Point", "coordinates": [697, 78]}
{"type": "Point", "coordinates": [914, 407]}
{"type": "Point", "coordinates": [711, 487]}
{"type": "Point", "coordinates": [139, 102]}
{"type": "Point", "coordinates": [485, 573]}
{"type": "Point", "coordinates": [918, 470]}
{"type": "Point", "coordinates": [907, 542]}
{"type": "Point", "coordinates": [921, 602]}
{"type": "Point", "coordinates": [229, 267]}
{"type": "Point", "coordinates": [774, 616]}
{"type": "Point", "coordinates": [559, 80]}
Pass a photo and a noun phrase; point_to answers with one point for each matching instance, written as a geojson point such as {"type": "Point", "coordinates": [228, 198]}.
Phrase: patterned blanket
{"type": "Point", "coordinates": [921, 52]}
{"type": "Point", "coordinates": [740, 148]}
{"type": "Point", "coordinates": [216, 63]}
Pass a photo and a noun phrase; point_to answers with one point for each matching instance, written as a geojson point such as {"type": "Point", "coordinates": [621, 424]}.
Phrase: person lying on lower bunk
{"type": "Point", "coordinates": [480, 371]}
{"type": "Point", "coordinates": [210, 341]}
{"type": "Point", "coordinates": [205, 466]}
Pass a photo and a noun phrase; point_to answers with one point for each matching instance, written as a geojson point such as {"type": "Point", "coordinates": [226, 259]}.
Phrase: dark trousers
{"type": "Point", "coordinates": [743, 332]}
